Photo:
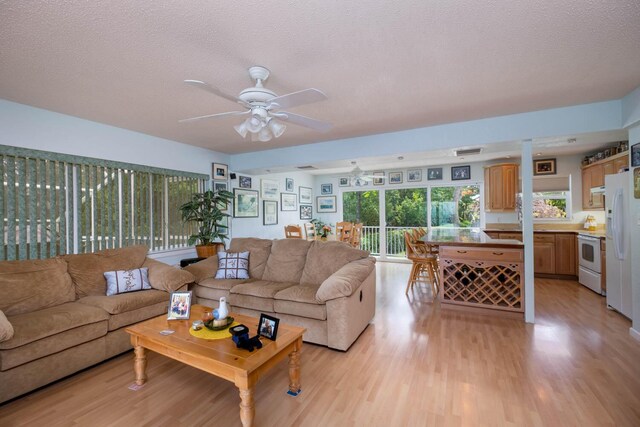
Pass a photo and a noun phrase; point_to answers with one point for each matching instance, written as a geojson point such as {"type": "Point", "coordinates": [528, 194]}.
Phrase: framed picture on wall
{"type": "Point", "coordinates": [414, 175]}
{"type": "Point", "coordinates": [434, 174]}
{"type": "Point", "coordinates": [244, 181]}
{"type": "Point", "coordinates": [343, 181]}
{"type": "Point", "coordinates": [459, 173]}
{"type": "Point", "coordinates": [219, 186]}
{"type": "Point", "coordinates": [269, 189]}
{"type": "Point", "coordinates": [544, 167]}
{"type": "Point", "coordinates": [305, 195]}
{"type": "Point", "coordinates": [395, 178]}
{"type": "Point", "coordinates": [219, 171]}
{"type": "Point", "coordinates": [378, 178]}
{"type": "Point", "coordinates": [245, 203]}
{"type": "Point", "coordinates": [635, 155]}
{"type": "Point", "coordinates": [269, 212]}
{"type": "Point", "coordinates": [326, 189]}
{"type": "Point", "coordinates": [288, 202]}
{"type": "Point", "coordinates": [306, 212]}
{"type": "Point", "coordinates": [288, 185]}
{"type": "Point", "coordinates": [326, 204]}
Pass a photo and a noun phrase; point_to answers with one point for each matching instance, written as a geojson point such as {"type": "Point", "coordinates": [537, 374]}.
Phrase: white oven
{"type": "Point", "coordinates": [590, 266]}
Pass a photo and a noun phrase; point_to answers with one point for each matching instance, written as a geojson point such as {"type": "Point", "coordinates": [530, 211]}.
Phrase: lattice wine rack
{"type": "Point", "coordinates": [487, 284]}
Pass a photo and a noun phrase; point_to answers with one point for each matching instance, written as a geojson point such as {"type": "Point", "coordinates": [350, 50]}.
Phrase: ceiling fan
{"type": "Point", "coordinates": [360, 178]}
{"type": "Point", "coordinates": [264, 108]}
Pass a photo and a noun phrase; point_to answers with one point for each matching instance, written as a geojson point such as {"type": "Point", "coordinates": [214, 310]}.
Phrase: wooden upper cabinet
{"type": "Point", "coordinates": [593, 176]}
{"type": "Point", "coordinates": [500, 187]}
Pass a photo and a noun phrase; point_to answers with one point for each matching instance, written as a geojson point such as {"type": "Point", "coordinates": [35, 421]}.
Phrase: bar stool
{"type": "Point", "coordinates": [425, 264]}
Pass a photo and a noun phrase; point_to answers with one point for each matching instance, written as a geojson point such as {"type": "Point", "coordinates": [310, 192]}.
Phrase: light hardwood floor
{"type": "Point", "coordinates": [416, 364]}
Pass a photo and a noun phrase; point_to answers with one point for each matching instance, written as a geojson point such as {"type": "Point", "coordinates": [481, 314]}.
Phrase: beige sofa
{"type": "Point", "coordinates": [55, 317]}
{"type": "Point", "coordinates": [329, 288]}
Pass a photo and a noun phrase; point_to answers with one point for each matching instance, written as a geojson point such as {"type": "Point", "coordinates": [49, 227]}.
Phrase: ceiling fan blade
{"type": "Point", "coordinates": [214, 90]}
{"type": "Point", "coordinates": [295, 99]}
{"type": "Point", "coordinates": [307, 122]}
{"type": "Point", "coordinates": [210, 116]}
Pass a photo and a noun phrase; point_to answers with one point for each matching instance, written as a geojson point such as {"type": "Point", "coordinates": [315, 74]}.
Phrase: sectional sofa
{"type": "Point", "coordinates": [55, 317]}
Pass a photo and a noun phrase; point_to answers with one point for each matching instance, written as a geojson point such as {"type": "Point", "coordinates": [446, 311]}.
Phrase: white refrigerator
{"type": "Point", "coordinates": [618, 212]}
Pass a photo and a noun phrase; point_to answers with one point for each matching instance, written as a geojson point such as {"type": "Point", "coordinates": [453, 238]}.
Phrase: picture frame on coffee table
{"type": "Point", "coordinates": [179, 306]}
{"type": "Point", "coordinates": [268, 326]}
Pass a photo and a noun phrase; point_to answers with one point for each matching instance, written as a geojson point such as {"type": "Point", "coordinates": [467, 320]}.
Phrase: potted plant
{"type": "Point", "coordinates": [205, 209]}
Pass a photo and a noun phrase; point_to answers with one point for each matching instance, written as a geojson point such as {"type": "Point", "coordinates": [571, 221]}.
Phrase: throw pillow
{"type": "Point", "coordinates": [121, 281]}
{"type": "Point", "coordinates": [6, 329]}
{"type": "Point", "coordinates": [233, 265]}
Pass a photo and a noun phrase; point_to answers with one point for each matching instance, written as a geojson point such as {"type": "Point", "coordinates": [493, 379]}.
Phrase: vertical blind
{"type": "Point", "coordinates": [53, 204]}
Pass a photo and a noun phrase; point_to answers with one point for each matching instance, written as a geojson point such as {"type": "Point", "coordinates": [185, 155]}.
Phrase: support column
{"type": "Point", "coordinates": [526, 168]}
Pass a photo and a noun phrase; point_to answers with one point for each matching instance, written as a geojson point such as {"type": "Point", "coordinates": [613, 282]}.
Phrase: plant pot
{"type": "Point", "coordinates": [205, 251]}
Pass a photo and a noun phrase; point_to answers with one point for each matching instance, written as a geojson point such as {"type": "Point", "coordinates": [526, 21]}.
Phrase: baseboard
{"type": "Point", "coordinates": [635, 334]}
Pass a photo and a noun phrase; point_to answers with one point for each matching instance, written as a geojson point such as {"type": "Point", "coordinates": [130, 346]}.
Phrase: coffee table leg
{"type": "Point", "coordinates": [140, 365]}
{"type": "Point", "coordinates": [294, 369]}
{"type": "Point", "coordinates": [247, 407]}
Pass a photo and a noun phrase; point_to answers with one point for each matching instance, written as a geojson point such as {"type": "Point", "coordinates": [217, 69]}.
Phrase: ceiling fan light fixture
{"type": "Point", "coordinates": [242, 128]}
{"type": "Point", "coordinates": [254, 124]}
{"type": "Point", "coordinates": [276, 128]}
{"type": "Point", "coordinates": [264, 135]}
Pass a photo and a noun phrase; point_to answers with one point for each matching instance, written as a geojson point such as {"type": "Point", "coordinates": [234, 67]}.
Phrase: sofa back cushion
{"type": "Point", "coordinates": [87, 270]}
{"type": "Point", "coordinates": [287, 259]}
{"type": "Point", "coordinates": [259, 250]}
{"type": "Point", "coordinates": [27, 286]}
{"type": "Point", "coordinates": [325, 258]}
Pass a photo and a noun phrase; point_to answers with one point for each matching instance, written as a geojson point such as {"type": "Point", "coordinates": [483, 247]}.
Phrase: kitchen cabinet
{"type": "Point", "coordinates": [593, 176]}
{"type": "Point", "coordinates": [500, 187]}
{"type": "Point", "coordinates": [544, 253]}
{"type": "Point", "coordinates": [566, 249]}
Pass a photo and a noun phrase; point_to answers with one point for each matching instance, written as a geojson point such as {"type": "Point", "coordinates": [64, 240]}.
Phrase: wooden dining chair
{"type": "Point", "coordinates": [356, 235]}
{"type": "Point", "coordinates": [292, 231]}
{"type": "Point", "coordinates": [424, 268]}
{"type": "Point", "coordinates": [310, 231]}
{"type": "Point", "coordinates": [343, 231]}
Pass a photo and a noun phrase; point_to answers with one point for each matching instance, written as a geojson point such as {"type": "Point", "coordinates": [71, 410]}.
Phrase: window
{"type": "Point", "coordinates": [551, 205]}
{"type": "Point", "coordinates": [364, 207]}
{"type": "Point", "coordinates": [52, 204]}
{"type": "Point", "coordinates": [455, 207]}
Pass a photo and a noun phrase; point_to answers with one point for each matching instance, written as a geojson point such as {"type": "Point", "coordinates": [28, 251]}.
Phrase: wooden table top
{"type": "Point", "coordinates": [223, 352]}
{"type": "Point", "coordinates": [466, 237]}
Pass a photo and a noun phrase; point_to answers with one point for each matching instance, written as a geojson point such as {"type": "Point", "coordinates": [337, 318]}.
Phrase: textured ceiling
{"type": "Point", "coordinates": [385, 65]}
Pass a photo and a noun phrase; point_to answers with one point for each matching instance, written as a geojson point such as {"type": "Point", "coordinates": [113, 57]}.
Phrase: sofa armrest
{"type": "Point", "coordinates": [165, 277]}
{"type": "Point", "coordinates": [345, 281]}
{"type": "Point", "coordinates": [205, 269]}
{"type": "Point", "coordinates": [6, 329]}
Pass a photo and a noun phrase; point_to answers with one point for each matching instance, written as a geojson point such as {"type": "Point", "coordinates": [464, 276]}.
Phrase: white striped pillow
{"type": "Point", "coordinates": [121, 281]}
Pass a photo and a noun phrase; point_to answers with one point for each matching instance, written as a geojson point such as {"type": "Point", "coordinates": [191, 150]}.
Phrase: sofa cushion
{"type": "Point", "coordinates": [257, 295]}
{"type": "Point", "coordinates": [34, 326]}
{"type": "Point", "coordinates": [325, 258]}
{"type": "Point", "coordinates": [87, 270]}
{"type": "Point", "coordinates": [259, 250]}
{"type": "Point", "coordinates": [344, 282]}
{"type": "Point", "coordinates": [6, 328]}
{"type": "Point", "coordinates": [116, 304]}
{"type": "Point", "coordinates": [165, 277]}
{"type": "Point", "coordinates": [233, 265]}
{"type": "Point", "coordinates": [117, 321]}
{"type": "Point", "coordinates": [204, 269]}
{"type": "Point", "coordinates": [27, 286]}
{"type": "Point", "coordinates": [287, 260]}
{"type": "Point", "coordinates": [50, 345]}
{"type": "Point", "coordinates": [123, 281]}
{"type": "Point", "coordinates": [300, 300]}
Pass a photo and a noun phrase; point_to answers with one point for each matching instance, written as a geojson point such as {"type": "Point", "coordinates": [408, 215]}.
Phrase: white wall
{"type": "Point", "coordinates": [253, 227]}
{"type": "Point", "coordinates": [35, 128]}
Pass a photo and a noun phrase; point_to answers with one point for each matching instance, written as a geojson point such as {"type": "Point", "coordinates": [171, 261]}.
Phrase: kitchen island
{"type": "Point", "coordinates": [478, 271]}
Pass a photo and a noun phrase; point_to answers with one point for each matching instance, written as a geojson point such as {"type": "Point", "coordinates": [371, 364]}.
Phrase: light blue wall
{"type": "Point", "coordinates": [631, 109]}
{"type": "Point", "coordinates": [601, 116]}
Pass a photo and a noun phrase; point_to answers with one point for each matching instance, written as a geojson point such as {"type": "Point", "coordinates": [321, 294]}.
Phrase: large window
{"type": "Point", "coordinates": [553, 205]}
{"type": "Point", "coordinates": [53, 204]}
{"type": "Point", "coordinates": [456, 207]}
{"type": "Point", "coordinates": [364, 207]}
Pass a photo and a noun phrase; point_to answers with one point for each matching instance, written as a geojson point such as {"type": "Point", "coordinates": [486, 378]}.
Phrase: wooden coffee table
{"type": "Point", "coordinates": [219, 357]}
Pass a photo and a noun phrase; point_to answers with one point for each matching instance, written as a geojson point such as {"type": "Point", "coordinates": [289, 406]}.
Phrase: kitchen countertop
{"type": "Point", "coordinates": [597, 233]}
{"type": "Point", "coordinates": [466, 237]}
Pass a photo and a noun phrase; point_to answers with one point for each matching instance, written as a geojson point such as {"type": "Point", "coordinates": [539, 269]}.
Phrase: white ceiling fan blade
{"type": "Point", "coordinates": [210, 116]}
{"type": "Point", "coordinates": [214, 90]}
{"type": "Point", "coordinates": [295, 99]}
{"type": "Point", "coordinates": [299, 120]}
